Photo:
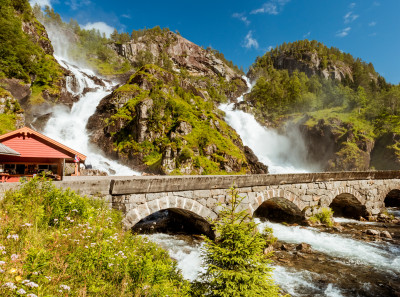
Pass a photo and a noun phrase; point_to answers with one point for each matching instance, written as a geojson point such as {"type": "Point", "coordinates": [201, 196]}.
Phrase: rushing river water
{"type": "Point", "coordinates": [282, 153]}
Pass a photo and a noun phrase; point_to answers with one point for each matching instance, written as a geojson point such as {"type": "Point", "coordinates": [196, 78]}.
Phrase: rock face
{"type": "Point", "coordinates": [310, 64]}
{"type": "Point", "coordinates": [386, 152]}
{"type": "Point", "coordinates": [336, 145]}
{"type": "Point", "coordinates": [159, 123]}
{"type": "Point", "coordinates": [11, 110]}
{"type": "Point", "coordinates": [170, 50]}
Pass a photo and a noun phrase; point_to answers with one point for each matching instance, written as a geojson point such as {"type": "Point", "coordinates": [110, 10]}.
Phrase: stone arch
{"type": "Point", "coordinates": [277, 205]}
{"type": "Point", "coordinates": [349, 203]}
{"type": "Point", "coordinates": [392, 198]}
{"type": "Point", "coordinates": [167, 202]}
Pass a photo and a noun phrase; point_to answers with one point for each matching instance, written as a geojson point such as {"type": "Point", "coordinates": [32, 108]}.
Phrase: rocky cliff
{"type": "Point", "coordinates": [175, 53]}
{"type": "Point", "coordinates": [160, 123]}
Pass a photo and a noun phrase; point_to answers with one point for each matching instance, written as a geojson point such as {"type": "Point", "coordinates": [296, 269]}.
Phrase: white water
{"type": "Point", "coordinates": [382, 256]}
{"type": "Point", "coordinates": [189, 259]}
{"type": "Point", "coordinates": [352, 221]}
{"type": "Point", "coordinates": [69, 126]}
{"type": "Point", "coordinates": [281, 153]}
{"type": "Point", "coordinates": [395, 211]}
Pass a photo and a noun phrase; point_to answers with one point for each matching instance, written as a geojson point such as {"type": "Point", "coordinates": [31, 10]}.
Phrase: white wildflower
{"type": "Point", "coordinates": [21, 292]}
{"type": "Point", "coordinates": [14, 257]}
{"type": "Point", "coordinates": [13, 236]}
{"type": "Point", "coordinates": [2, 248]}
{"type": "Point", "coordinates": [2, 263]}
{"type": "Point", "coordinates": [31, 295]}
{"type": "Point", "coordinates": [10, 286]}
{"type": "Point", "coordinates": [110, 264]}
{"type": "Point", "coordinates": [65, 287]}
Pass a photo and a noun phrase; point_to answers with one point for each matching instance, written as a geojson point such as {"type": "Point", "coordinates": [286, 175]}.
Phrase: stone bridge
{"type": "Point", "coordinates": [282, 197]}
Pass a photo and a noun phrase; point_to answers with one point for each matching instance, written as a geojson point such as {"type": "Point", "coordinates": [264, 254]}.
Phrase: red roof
{"type": "Point", "coordinates": [32, 144]}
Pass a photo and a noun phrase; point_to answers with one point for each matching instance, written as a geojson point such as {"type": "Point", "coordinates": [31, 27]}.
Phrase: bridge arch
{"type": "Point", "coordinates": [392, 198]}
{"type": "Point", "coordinates": [349, 203]}
{"type": "Point", "coordinates": [278, 206]}
{"type": "Point", "coordinates": [184, 206]}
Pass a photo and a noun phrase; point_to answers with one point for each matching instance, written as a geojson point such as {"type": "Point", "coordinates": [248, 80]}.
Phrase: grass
{"type": "Point", "coordinates": [7, 123]}
{"type": "Point", "coordinates": [57, 243]}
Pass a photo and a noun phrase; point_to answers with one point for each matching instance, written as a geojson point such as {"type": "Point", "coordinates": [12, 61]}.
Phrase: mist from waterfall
{"type": "Point", "coordinates": [282, 153]}
{"type": "Point", "coordinates": [69, 126]}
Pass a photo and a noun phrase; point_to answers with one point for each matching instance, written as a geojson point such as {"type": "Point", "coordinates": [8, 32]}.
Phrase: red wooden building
{"type": "Point", "coordinates": [25, 152]}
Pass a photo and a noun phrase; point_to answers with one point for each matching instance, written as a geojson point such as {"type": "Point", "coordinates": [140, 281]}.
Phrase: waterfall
{"type": "Point", "coordinates": [69, 126]}
{"type": "Point", "coordinates": [281, 153]}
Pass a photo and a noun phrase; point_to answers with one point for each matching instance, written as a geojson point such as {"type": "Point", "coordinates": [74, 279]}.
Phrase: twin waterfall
{"type": "Point", "coordinates": [282, 153]}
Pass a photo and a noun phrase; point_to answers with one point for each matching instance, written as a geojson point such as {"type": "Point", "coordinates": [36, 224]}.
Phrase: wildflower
{"type": "Point", "coordinates": [13, 236]}
{"type": "Point", "coordinates": [14, 257]}
{"type": "Point", "coordinates": [65, 287]}
{"type": "Point", "coordinates": [75, 210]}
{"type": "Point", "coordinates": [12, 270]}
{"type": "Point", "coordinates": [31, 295]}
{"type": "Point", "coordinates": [2, 248]}
{"type": "Point", "coordinates": [10, 286]}
{"type": "Point", "coordinates": [21, 291]}
{"type": "Point", "coordinates": [18, 278]}
{"type": "Point", "coordinates": [32, 285]}
{"type": "Point", "coordinates": [35, 273]}
{"type": "Point", "coordinates": [48, 278]}
{"type": "Point", "coordinates": [93, 244]}
{"type": "Point", "coordinates": [55, 220]}
{"type": "Point", "coordinates": [110, 264]}
{"type": "Point", "coordinates": [2, 263]}
{"type": "Point", "coordinates": [2, 271]}
{"type": "Point", "coordinates": [26, 225]}
{"type": "Point", "coordinates": [4, 252]}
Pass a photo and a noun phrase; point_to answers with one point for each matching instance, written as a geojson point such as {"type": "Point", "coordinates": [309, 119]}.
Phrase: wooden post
{"type": "Point", "coordinates": [76, 169]}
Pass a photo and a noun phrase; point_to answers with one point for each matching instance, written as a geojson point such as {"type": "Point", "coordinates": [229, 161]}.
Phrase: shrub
{"type": "Point", "coordinates": [57, 243]}
{"type": "Point", "coordinates": [324, 217]}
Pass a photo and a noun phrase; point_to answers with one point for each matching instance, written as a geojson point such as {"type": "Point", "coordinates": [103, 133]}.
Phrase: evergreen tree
{"type": "Point", "coordinates": [235, 262]}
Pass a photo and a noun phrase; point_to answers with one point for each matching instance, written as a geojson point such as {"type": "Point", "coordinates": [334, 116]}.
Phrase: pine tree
{"type": "Point", "coordinates": [235, 262]}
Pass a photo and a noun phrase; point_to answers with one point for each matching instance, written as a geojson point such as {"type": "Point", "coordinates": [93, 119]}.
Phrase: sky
{"type": "Point", "coordinates": [243, 30]}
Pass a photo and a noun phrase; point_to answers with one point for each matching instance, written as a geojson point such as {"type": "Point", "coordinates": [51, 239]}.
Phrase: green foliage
{"type": "Point", "coordinates": [235, 263]}
{"type": "Point", "coordinates": [172, 105]}
{"type": "Point", "coordinates": [20, 56]}
{"type": "Point", "coordinates": [56, 243]}
{"type": "Point", "coordinates": [324, 216]}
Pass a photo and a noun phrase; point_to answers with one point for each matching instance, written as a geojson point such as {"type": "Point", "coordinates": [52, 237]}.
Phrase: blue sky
{"type": "Point", "coordinates": [243, 30]}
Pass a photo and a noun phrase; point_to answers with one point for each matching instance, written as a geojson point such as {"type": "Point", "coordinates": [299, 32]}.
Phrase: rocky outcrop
{"type": "Point", "coordinates": [310, 64]}
{"type": "Point", "coordinates": [172, 51]}
{"type": "Point", "coordinates": [336, 145]}
{"type": "Point", "coordinates": [159, 123]}
{"type": "Point", "coordinates": [386, 152]}
{"type": "Point", "coordinates": [11, 112]}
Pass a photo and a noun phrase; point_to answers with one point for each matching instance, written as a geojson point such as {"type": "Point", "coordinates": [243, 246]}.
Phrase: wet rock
{"type": "Point", "coordinates": [373, 232]}
{"type": "Point", "coordinates": [284, 247]}
{"type": "Point", "coordinates": [304, 247]}
{"type": "Point", "coordinates": [269, 249]}
{"type": "Point", "coordinates": [386, 234]}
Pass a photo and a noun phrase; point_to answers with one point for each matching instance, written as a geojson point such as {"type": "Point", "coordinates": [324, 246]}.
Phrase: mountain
{"type": "Point", "coordinates": [159, 122]}
{"type": "Point", "coordinates": [346, 112]}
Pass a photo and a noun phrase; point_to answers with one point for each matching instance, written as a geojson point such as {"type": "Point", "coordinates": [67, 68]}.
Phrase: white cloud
{"type": "Point", "coordinates": [372, 24]}
{"type": "Point", "coordinates": [241, 17]}
{"type": "Point", "coordinates": [352, 5]}
{"type": "Point", "coordinates": [75, 4]}
{"type": "Point", "coordinates": [350, 17]}
{"type": "Point", "coordinates": [41, 3]}
{"type": "Point", "coordinates": [273, 7]}
{"type": "Point", "coordinates": [101, 26]}
{"type": "Point", "coordinates": [126, 16]}
{"type": "Point", "coordinates": [307, 34]}
{"type": "Point", "coordinates": [344, 32]}
{"type": "Point", "coordinates": [249, 41]}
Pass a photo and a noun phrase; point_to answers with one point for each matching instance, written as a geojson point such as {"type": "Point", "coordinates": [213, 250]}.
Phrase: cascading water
{"type": "Point", "coordinates": [281, 153]}
{"type": "Point", "coordinates": [382, 256]}
{"type": "Point", "coordinates": [189, 260]}
{"type": "Point", "coordinates": [69, 126]}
